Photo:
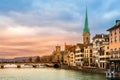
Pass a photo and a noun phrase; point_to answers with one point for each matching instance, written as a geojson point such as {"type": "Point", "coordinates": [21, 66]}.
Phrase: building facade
{"type": "Point", "coordinates": [88, 55]}
{"type": "Point", "coordinates": [101, 50]}
{"type": "Point", "coordinates": [66, 54]}
{"type": "Point", "coordinates": [114, 43]}
{"type": "Point", "coordinates": [71, 56]}
{"type": "Point", "coordinates": [79, 55]}
{"type": "Point", "coordinates": [57, 56]}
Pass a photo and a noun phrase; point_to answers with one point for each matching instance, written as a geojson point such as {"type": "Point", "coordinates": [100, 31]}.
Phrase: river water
{"type": "Point", "coordinates": [47, 74]}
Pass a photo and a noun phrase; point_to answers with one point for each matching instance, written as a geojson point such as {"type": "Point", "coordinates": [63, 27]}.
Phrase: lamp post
{"type": "Point", "coordinates": [96, 61]}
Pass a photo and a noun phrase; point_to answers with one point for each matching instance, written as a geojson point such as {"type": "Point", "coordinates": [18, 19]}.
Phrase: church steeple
{"type": "Point", "coordinates": [86, 31]}
{"type": "Point", "coordinates": [86, 28]}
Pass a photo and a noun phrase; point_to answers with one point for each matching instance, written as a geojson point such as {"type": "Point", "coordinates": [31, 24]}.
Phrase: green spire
{"type": "Point", "coordinates": [86, 28]}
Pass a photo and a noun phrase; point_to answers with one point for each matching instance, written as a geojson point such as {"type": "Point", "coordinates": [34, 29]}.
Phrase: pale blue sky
{"type": "Point", "coordinates": [102, 13]}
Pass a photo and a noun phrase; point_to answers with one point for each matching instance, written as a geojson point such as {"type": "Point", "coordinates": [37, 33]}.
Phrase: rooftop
{"type": "Point", "coordinates": [101, 36]}
{"type": "Point", "coordinates": [115, 26]}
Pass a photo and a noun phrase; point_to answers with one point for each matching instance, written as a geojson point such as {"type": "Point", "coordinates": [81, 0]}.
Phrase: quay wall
{"type": "Point", "coordinates": [84, 69]}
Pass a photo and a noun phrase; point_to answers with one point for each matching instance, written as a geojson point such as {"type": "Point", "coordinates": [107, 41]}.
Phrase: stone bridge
{"type": "Point", "coordinates": [24, 65]}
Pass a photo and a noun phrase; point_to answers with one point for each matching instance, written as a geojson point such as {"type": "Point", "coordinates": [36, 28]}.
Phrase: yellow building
{"type": "Point", "coordinates": [79, 54]}
{"type": "Point", "coordinates": [71, 57]}
{"type": "Point", "coordinates": [57, 56]}
{"type": "Point", "coordinates": [66, 54]}
{"type": "Point", "coordinates": [88, 55]}
{"type": "Point", "coordinates": [114, 43]}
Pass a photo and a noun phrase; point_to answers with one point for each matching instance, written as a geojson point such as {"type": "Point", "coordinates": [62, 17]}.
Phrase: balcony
{"type": "Point", "coordinates": [115, 54]}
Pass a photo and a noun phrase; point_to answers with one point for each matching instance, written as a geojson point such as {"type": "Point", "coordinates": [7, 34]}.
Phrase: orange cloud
{"type": "Point", "coordinates": [18, 46]}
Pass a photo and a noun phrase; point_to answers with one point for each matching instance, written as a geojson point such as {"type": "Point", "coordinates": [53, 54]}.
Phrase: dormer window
{"type": "Point", "coordinates": [117, 22]}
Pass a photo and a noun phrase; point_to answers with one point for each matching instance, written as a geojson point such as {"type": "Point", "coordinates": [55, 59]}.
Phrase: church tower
{"type": "Point", "coordinates": [86, 31]}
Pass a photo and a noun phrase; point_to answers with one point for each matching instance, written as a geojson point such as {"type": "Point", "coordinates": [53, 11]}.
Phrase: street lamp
{"type": "Point", "coordinates": [96, 62]}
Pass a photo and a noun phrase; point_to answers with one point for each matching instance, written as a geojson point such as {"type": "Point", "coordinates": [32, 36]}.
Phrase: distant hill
{"type": "Point", "coordinates": [17, 59]}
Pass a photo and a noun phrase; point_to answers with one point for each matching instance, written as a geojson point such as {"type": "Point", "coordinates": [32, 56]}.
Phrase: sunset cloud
{"type": "Point", "coordinates": [35, 27]}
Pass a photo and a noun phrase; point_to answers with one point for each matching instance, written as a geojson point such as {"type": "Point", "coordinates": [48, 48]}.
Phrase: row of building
{"type": "Point", "coordinates": [95, 53]}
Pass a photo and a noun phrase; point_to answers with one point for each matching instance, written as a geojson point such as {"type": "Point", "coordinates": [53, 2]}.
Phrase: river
{"type": "Point", "coordinates": [47, 74]}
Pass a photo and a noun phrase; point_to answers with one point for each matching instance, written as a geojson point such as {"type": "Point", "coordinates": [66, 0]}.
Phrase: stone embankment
{"type": "Point", "coordinates": [84, 69]}
{"type": "Point", "coordinates": [92, 70]}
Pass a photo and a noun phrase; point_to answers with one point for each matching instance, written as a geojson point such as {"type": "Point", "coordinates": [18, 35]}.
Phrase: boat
{"type": "Point", "coordinates": [113, 69]}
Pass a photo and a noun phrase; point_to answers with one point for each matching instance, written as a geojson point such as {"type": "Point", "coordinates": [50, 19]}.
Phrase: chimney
{"type": "Point", "coordinates": [117, 22]}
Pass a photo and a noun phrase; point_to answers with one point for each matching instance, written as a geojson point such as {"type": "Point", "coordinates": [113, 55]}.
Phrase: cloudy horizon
{"type": "Point", "coordinates": [35, 27]}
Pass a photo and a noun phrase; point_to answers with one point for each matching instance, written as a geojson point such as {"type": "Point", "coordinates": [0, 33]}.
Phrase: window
{"type": "Point", "coordinates": [107, 47]}
{"type": "Point", "coordinates": [81, 59]}
{"type": "Point", "coordinates": [115, 39]}
{"type": "Point", "coordinates": [102, 58]}
{"type": "Point", "coordinates": [91, 51]}
{"type": "Point", "coordinates": [107, 58]}
{"type": "Point", "coordinates": [111, 34]}
{"type": "Point", "coordinates": [90, 55]}
{"type": "Point", "coordinates": [82, 50]}
{"type": "Point", "coordinates": [115, 32]}
{"type": "Point", "coordinates": [119, 38]}
{"type": "Point", "coordinates": [107, 53]}
{"type": "Point", "coordinates": [119, 30]}
{"type": "Point", "coordinates": [111, 40]}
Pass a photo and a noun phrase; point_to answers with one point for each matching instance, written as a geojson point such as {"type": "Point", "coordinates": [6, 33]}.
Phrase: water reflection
{"type": "Point", "coordinates": [46, 74]}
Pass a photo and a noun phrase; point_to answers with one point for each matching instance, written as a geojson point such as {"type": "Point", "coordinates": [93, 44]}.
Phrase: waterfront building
{"type": "Point", "coordinates": [57, 56]}
{"type": "Point", "coordinates": [66, 54]}
{"type": "Point", "coordinates": [71, 56]}
{"type": "Point", "coordinates": [113, 67]}
{"type": "Point", "coordinates": [88, 55]}
{"type": "Point", "coordinates": [114, 43]}
{"type": "Point", "coordinates": [101, 50]}
{"type": "Point", "coordinates": [79, 54]}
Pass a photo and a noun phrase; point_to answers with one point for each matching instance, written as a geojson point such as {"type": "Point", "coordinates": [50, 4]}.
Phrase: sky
{"type": "Point", "coordinates": [35, 27]}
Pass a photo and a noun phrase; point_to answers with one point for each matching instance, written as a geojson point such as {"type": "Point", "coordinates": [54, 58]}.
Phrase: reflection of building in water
{"type": "Point", "coordinates": [113, 69]}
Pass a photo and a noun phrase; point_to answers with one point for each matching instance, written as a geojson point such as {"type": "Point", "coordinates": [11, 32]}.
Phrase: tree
{"type": "Point", "coordinates": [37, 60]}
{"type": "Point", "coordinates": [30, 59]}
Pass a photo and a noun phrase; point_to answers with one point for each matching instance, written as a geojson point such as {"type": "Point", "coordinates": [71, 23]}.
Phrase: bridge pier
{"type": "Point", "coordinates": [34, 65]}
{"type": "Point", "coordinates": [18, 66]}
{"type": "Point", "coordinates": [1, 66]}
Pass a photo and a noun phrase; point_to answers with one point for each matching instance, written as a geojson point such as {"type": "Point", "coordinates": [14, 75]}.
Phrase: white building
{"type": "Point", "coordinates": [101, 50]}
{"type": "Point", "coordinates": [79, 54]}
{"type": "Point", "coordinates": [71, 58]}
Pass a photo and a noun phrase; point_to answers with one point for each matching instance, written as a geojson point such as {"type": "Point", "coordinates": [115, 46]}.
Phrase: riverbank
{"type": "Point", "coordinates": [84, 69]}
